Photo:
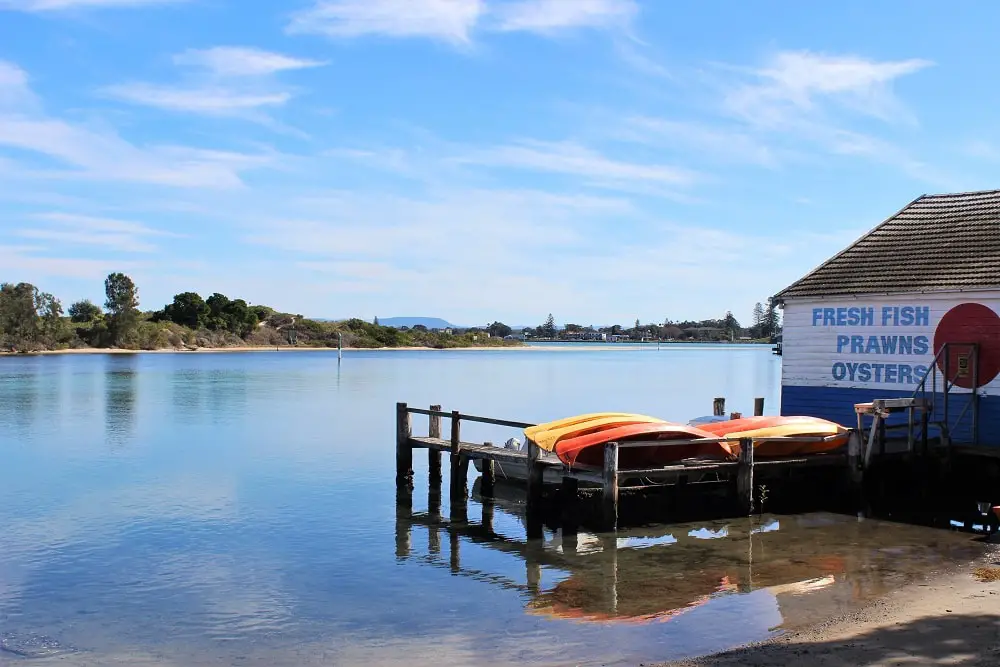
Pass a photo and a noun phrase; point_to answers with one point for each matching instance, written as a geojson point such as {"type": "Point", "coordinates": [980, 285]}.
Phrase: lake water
{"type": "Point", "coordinates": [189, 509]}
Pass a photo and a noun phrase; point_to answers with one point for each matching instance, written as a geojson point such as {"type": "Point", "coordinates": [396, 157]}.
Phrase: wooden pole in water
{"type": "Point", "coordinates": [758, 407]}
{"type": "Point", "coordinates": [459, 463]}
{"type": "Point", "coordinates": [719, 406]}
{"type": "Point", "coordinates": [744, 475]}
{"type": "Point", "coordinates": [434, 455]}
{"type": "Point", "coordinates": [609, 495]}
{"type": "Point", "coordinates": [340, 346]}
{"type": "Point", "coordinates": [535, 474]}
{"type": "Point", "coordinates": [489, 475]}
{"type": "Point", "coordinates": [404, 452]}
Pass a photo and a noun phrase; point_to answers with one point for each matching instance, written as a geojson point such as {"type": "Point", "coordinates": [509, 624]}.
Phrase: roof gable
{"type": "Point", "coordinates": [936, 243]}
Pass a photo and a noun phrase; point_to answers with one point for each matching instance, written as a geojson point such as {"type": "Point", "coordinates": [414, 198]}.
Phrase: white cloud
{"type": "Point", "coordinates": [241, 61]}
{"type": "Point", "coordinates": [445, 20]}
{"type": "Point", "coordinates": [792, 83]}
{"type": "Point", "coordinates": [546, 16]}
{"type": "Point", "coordinates": [573, 159]}
{"type": "Point", "coordinates": [224, 81]}
{"type": "Point", "coordinates": [55, 5]}
{"type": "Point", "coordinates": [724, 143]}
{"type": "Point", "coordinates": [74, 230]}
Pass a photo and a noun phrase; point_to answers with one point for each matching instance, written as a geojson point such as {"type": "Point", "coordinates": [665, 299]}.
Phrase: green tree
{"type": "Point", "coordinates": [759, 320]}
{"type": "Point", "coordinates": [19, 321]}
{"type": "Point", "coordinates": [84, 311]}
{"type": "Point", "coordinates": [548, 330]}
{"type": "Point", "coordinates": [123, 308]}
{"type": "Point", "coordinates": [772, 321]}
{"type": "Point", "coordinates": [239, 319]}
{"type": "Point", "coordinates": [217, 304]}
{"type": "Point", "coordinates": [50, 312]}
{"type": "Point", "coordinates": [188, 309]}
{"type": "Point", "coordinates": [499, 330]}
{"type": "Point", "coordinates": [731, 324]}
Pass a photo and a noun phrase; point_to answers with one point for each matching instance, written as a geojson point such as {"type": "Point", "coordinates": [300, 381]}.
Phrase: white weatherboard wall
{"type": "Point", "coordinates": [884, 343]}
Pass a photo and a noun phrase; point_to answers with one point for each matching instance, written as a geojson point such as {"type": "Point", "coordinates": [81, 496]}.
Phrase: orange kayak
{"type": "Point", "coordinates": [588, 448]}
{"type": "Point", "coordinates": [781, 436]}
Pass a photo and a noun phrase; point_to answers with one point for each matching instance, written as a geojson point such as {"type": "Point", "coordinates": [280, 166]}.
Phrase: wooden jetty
{"type": "Point", "coordinates": [739, 474]}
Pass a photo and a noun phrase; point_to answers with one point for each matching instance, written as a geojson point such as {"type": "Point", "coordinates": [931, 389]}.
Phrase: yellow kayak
{"type": "Point", "coordinates": [547, 435]}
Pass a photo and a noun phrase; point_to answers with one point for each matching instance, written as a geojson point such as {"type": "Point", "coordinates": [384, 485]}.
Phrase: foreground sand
{"type": "Point", "coordinates": [951, 620]}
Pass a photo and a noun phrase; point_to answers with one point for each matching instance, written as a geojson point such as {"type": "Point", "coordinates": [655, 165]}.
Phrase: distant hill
{"type": "Point", "coordinates": [429, 322]}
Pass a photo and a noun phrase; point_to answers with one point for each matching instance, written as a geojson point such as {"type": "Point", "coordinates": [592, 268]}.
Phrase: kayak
{"type": "Point", "coordinates": [790, 434]}
{"type": "Point", "coordinates": [589, 448]}
{"type": "Point", "coordinates": [548, 435]}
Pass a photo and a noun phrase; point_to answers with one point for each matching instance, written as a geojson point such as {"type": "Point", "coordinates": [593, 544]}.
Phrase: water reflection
{"type": "Point", "coordinates": [120, 380]}
{"type": "Point", "coordinates": [804, 567]}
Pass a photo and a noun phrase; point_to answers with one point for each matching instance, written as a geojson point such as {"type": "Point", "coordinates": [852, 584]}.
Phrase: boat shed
{"type": "Point", "coordinates": [907, 311]}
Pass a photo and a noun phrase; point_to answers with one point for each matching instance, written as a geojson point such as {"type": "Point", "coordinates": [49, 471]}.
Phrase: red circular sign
{"type": "Point", "coordinates": [969, 323]}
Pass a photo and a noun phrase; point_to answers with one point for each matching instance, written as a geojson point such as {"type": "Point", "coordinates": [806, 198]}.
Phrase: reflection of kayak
{"type": "Point", "coordinates": [588, 448]}
{"type": "Point", "coordinates": [790, 431]}
{"type": "Point", "coordinates": [547, 436]}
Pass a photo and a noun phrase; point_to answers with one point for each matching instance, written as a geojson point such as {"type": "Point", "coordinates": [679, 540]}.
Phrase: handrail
{"type": "Point", "coordinates": [949, 382]}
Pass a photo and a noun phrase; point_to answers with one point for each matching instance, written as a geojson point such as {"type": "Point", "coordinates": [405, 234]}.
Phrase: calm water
{"type": "Point", "coordinates": [187, 509]}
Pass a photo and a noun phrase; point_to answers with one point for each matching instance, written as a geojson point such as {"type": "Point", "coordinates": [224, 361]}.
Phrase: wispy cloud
{"type": "Point", "coordinates": [445, 20]}
{"type": "Point", "coordinates": [100, 154]}
{"type": "Point", "coordinates": [228, 61]}
{"type": "Point", "coordinates": [222, 81]}
{"type": "Point", "coordinates": [55, 5]}
{"type": "Point", "coordinates": [701, 139]}
{"type": "Point", "coordinates": [795, 82]}
{"type": "Point", "coordinates": [573, 159]}
{"type": "Point", "coordinates": [547, 16]}
{"type": "Point", "coordinates": [74, 230]}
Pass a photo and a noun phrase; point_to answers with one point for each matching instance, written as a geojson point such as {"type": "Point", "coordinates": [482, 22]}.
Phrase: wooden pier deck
{"type": "Point", "coordinates": [537, 464]}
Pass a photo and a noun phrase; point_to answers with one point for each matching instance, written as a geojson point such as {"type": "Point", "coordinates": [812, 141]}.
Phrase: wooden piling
{"type": "Point", "coordinates": [719, 406]}
{"type": "Point", "coordinates": [744, 476]}
{"type": "Point", "coordinates": [609, 495]}
{"type": "Point", "coordinates": [758, 407]}
{"type": "Point", "coordinates": [404, 453]}
{"type": "Point", "coordinates": [535, 472]}
{"type": "Point", "coordinates": [489, 475]}
{"type": "Point", "coordinates": [434, 455]}
{"type": "Point", "coordinates": [459, 463]}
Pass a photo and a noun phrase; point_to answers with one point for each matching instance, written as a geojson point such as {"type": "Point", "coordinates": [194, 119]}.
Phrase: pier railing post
{"type": "Point", "coordinates": [758, 407]}
{"type": "Point", "coordinates": [489, 475]}
{"type": "Point", "coordinates": [744, 476]}
{"type": "Point", "coordinates": [719, 406]}
{"type": "Point", "coordinates": [535, 475]}
{"type": "Point", "coordinates": [404, 452]}
{"type": "Point", "coordinates": [609, 495]}
{"type": "Point", "coordinates": [459, 463]}
{"type": "Point", "coordinates": [434, 455]}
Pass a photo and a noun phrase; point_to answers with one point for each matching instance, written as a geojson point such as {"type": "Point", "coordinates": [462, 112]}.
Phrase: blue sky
{"type": "Point", "coordinates": [603, 160]}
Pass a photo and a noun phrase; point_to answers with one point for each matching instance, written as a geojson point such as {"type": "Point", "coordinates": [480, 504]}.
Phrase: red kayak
{"type": "Point", "coordinates": [781, 436]}
{"type": "Point", "coordinates": [589, 448]}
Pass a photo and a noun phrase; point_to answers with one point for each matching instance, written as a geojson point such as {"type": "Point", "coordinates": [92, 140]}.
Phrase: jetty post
{"type": "Point", "coordinates": [719, 406]}
{"type": "Point", "coordinates": [758, 407]}
{"type": "Point", "coordinates": [744, 475]}
{"type": "Point", "coordinates": [609, 494]}
{"type": "Point", "coordinates": [434, 455]}
{"type": "Point", "coordinates": [535, 472]}
{"type": "Point", "coordinates": [340, 346]}
{"type": "Point", "coordinates": [489, 475]}
{"type": "Point", "coordinates": [459, 463]}
{"type": "Point", "coordinates": [404, 450]}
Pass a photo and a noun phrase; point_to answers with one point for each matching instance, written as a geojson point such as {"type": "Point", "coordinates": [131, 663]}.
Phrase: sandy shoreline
{"type": "Point", "coordinates": [952, 619]}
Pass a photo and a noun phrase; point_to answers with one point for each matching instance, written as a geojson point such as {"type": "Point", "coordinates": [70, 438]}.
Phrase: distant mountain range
{"type": "Point", "coordinates": [429, 322]}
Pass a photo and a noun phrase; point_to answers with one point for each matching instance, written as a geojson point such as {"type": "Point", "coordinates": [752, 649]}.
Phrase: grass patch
{"type": "Point", "coordinates": [987, 574]}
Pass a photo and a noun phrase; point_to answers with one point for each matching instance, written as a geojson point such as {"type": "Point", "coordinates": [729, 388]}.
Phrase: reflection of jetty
{"type": "Point", "coordinates": [737, 477]}
{"type": "Point", "coordinates": [648, 575]}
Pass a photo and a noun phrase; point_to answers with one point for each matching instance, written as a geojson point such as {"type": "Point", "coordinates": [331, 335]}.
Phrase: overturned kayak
{"type": "Point", "coordinates": [548, 435]}
{"type": "Point", "coordinates": [588, 448]}
{"type": "Point", "coordinates": [781, 436]}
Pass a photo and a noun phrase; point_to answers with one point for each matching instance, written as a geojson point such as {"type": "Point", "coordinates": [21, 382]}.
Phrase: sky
{"type": "Point", "coordinates": [477, 160]}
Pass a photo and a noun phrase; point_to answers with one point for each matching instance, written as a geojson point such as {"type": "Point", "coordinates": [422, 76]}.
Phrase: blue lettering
{"type": "Point", "coordinates": [868, 317]}
{"type": "Point", "coordinates": [842, 342]}
{"type": "Point", "coordinates": [878, 371]}
{"type": "Point", "coordinates": [842, 317]}
{"type": "Point", "coordinates": [906, 344]}
{"type": "Point", "coordinates": [873, 347]}
{"type": "Point", "coordinates": [851, 368]}
{"type": "Point", "coordinates": [829, 317]}
{"type": "Point", "coordinates": [857, 344]}
{"type": "Point", "coordinates": [921, 344]}
{"type": "Point", "coordinates": [905, 374]}
{"type": "Point", "coordinates": [919, 373]}
{"type": "Point", "coordinates": [922, 316]}
{"type": "Point", "coordinates": [864, 372]}
{"type": "Point", "coordinates": [886, 315]}
{"type": "Point", "coordinates": [839, 371]}
{"type": "Point", "coordinates": [906, 316]}
{"type": "Point", "coordinates": [853, 316]}
{"type": "Point", "coordinates": [890, 373]}
{"type": "Point", "coordinates": [889, 344]}
{"type": "Point", "coordinates": [817, 315]}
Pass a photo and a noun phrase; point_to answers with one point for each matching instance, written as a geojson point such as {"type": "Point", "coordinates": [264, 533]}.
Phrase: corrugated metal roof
{"type": "Point", "coordinates": [937, 243]}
